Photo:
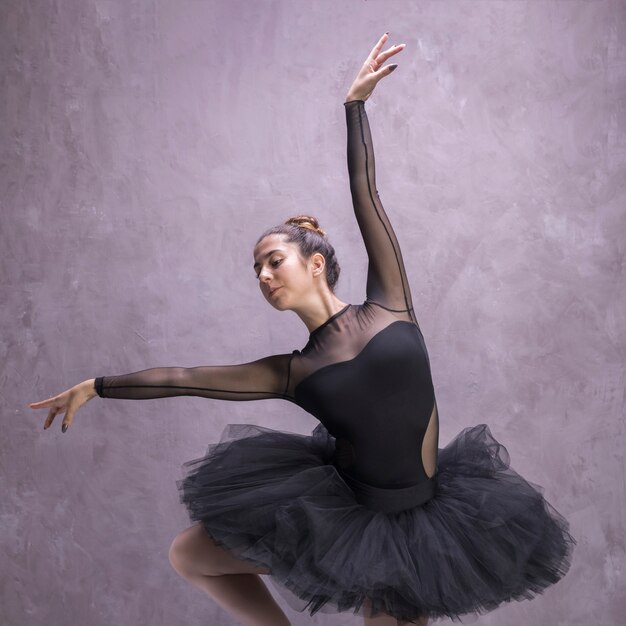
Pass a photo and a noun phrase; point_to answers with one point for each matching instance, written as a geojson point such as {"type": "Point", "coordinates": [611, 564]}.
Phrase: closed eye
{"type": "Point", "coordinates": [273, 263]}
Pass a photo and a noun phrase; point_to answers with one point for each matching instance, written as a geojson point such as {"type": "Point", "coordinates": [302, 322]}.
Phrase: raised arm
{"type": "Point", "coordinates": [387, 283]}
{"type": "Point", "coordinates": [259, 380]}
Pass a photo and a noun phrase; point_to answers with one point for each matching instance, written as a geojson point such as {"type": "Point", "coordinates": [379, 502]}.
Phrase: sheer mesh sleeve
{"type": "Point", "coordinates": [259, 380]}
{"type": "Point", "coordinates": [386, 278]}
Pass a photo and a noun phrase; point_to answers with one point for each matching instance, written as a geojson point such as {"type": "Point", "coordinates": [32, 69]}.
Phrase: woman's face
{"type": "Point", "coordinates": [285, 278]}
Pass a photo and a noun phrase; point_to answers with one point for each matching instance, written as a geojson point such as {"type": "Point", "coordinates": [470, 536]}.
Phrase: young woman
{"type": "Point", "coordinates": [366, 514]}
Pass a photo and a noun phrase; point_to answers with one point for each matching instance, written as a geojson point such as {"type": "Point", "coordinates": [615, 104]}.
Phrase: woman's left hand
{"type": "Point", "coordinates": [372, 70]}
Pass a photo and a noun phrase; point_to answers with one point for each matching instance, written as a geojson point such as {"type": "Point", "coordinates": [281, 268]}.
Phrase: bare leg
{"type": "Point", "coordinates": [388, 620]}
{"type": "Point", "coordinates": [233, 583]}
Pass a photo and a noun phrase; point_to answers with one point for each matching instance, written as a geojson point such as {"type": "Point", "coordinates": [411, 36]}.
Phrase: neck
{"type": "Point", "coordinates": [315, 313]}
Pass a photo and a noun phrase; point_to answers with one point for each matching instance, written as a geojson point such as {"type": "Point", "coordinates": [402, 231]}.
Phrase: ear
{"type": "Point", "coordinates": [318, 263]}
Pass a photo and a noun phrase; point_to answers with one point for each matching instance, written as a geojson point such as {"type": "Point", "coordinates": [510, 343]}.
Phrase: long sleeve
{"type": "Point", "coordinates": [259, 380]}
{"type": "Point", "coordinates": [387, 283]}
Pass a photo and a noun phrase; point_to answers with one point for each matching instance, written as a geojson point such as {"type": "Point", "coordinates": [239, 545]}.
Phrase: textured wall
{"type": "Point", "coordinates": [145, 145]}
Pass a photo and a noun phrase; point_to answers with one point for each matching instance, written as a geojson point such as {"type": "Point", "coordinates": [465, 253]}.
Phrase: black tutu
{"type": "Point", "coordinates": [276, 498]}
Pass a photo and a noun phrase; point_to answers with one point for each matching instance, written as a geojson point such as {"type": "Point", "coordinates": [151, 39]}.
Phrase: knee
{"type": "Point", "coordinates": [180, 553]}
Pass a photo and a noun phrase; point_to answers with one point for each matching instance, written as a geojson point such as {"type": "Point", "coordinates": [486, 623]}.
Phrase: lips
{"type": "Point", "coordinates": [273, 291]}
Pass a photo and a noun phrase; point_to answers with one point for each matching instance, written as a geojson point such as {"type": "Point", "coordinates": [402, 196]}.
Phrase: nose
{"type": "Point", "coordinates": [264, 276]}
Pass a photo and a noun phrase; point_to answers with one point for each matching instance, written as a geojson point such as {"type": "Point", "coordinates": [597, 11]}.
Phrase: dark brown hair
{"type": "Point", "coordinates": [305, 231]}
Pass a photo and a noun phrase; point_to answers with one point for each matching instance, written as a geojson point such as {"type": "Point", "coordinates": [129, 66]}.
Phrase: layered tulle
{"type": "Point", "coordinates": [275, 498]}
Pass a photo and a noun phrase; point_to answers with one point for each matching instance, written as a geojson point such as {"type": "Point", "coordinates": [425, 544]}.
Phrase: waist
{"type": "Point", "coordinates": [391, 499]}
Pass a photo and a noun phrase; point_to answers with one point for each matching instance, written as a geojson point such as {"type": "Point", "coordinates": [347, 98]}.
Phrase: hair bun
{"type": "Point", "coordinates": [306, 221]}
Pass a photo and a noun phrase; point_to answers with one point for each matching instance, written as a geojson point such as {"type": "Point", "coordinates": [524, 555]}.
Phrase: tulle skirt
{"type": "Point", "coordinates": [278, 499]}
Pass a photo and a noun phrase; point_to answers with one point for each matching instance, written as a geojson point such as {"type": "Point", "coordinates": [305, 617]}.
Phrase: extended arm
{"type": "Point", "coordinates": [386, 278]}
{"type": "Point", "coordinates": [259, 380]}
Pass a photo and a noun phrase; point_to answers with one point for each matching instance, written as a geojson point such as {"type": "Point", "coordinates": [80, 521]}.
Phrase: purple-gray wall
{"type": "Point", "coordinates": [146, 144]}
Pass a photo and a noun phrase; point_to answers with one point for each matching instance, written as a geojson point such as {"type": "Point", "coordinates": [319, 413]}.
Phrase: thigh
{"type": "Point", "coordinates": [195, 551]}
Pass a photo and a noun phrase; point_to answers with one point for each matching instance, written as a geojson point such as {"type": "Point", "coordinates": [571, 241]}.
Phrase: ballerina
{"type": "Point", "coordinates": [366, 514]}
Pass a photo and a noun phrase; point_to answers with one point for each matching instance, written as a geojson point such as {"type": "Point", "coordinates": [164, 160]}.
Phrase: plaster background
{"type": "Point", "coordinates": [144, 145]}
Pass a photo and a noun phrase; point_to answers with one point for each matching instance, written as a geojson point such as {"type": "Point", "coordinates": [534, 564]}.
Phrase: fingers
{"type": "Point", "coordinates": [65, 424]}
{"type": "Point", "coordinates": [51, 414]}
{"type": "Point", "coordinates": [383, 56]}
{"type": "Point", "coordinates": [67, 421]}
{"type": "Point", "coordinates": [41, 404]}
{"type": "Point", "coordinates": [378, 57]}
{"type": "Point", "coordinates": [376, 49]}
{"type": "Point", "coordinates": [55, 406]}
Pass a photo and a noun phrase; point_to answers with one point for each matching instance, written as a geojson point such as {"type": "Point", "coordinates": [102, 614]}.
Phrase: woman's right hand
{"type": "Point", "coordinates": [68, 401]}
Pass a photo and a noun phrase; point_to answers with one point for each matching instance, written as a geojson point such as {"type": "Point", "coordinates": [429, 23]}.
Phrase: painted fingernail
{"type": "Point", "coordinates": [64, 427]}
{"type": "Point", "coordinates": [393, 67]}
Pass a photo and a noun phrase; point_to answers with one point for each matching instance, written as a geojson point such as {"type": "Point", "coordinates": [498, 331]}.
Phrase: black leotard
{"type": "Point", "coordinates": [364, 373]}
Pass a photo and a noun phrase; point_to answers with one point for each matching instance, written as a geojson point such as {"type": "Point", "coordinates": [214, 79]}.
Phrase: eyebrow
{"type": "Point", "coordinates": [265, 255]}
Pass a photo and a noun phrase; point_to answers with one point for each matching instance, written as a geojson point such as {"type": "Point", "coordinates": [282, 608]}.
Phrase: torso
{"type": "Point", "coordinates": [365, 374]}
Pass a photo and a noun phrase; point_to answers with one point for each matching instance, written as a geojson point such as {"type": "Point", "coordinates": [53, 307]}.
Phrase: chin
{"type": "Point", "coordinates": [281, 305]}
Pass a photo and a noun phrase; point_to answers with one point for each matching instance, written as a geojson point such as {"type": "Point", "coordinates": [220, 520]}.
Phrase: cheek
{"type": "Point", "coordinates": [294, 273]}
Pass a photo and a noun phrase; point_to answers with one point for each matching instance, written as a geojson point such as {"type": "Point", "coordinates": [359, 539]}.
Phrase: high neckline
{"type": "Point", "coordinates": [329, 320]}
